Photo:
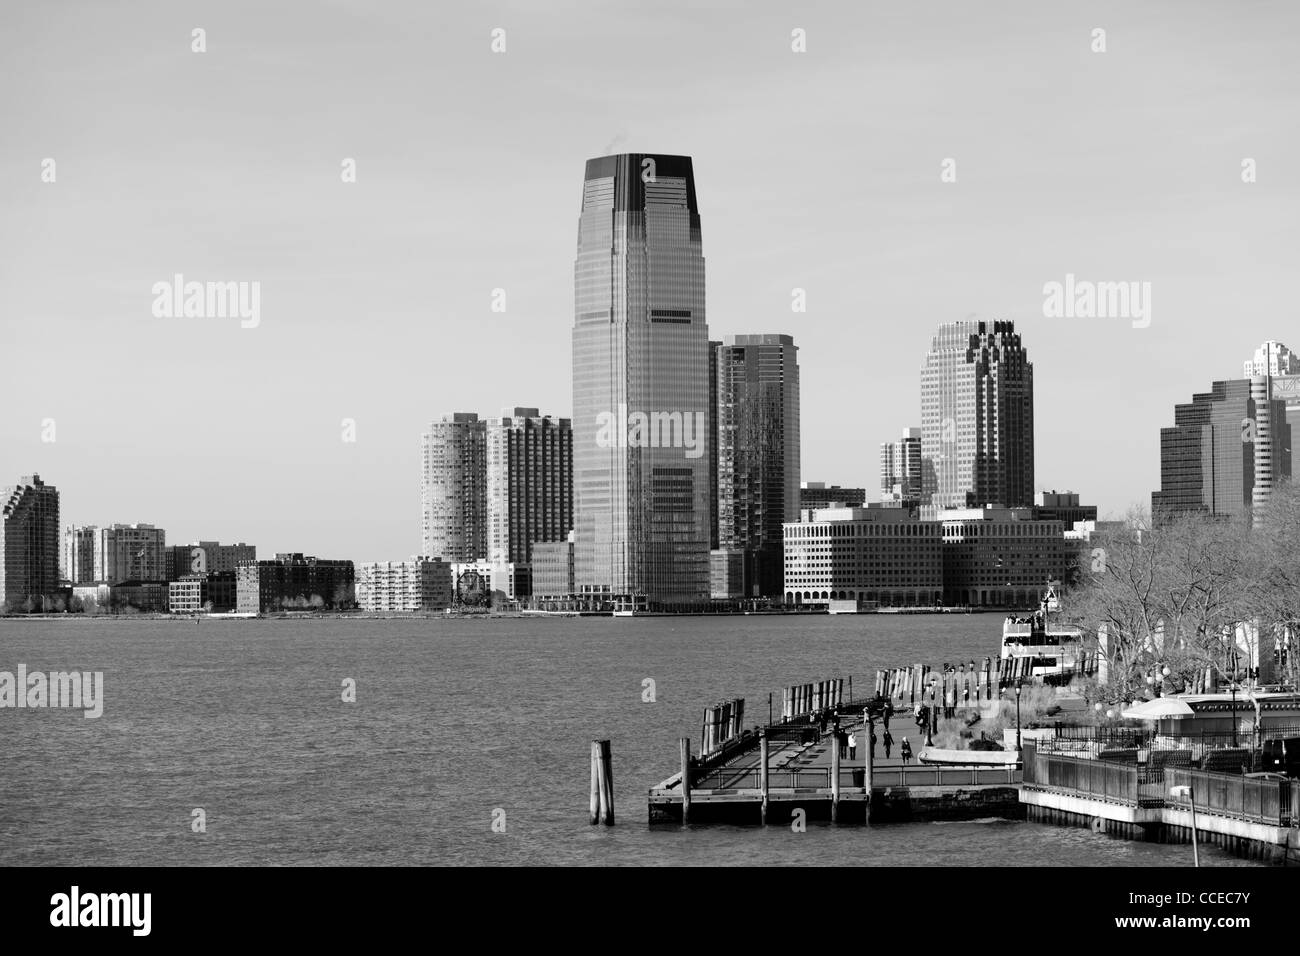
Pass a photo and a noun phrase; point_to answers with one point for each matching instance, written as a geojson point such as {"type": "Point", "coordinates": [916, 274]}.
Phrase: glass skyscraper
{"type": "Point", "coordinates": [641, 416]}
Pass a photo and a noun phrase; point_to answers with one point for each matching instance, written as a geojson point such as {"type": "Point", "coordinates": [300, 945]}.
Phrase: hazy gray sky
{"type": "Point", "coordinates": [817, 170]}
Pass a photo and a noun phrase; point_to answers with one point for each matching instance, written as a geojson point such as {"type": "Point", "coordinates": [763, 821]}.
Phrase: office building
{"type": "Point", "coordinates": [1282, 368]}
{"type": "Point", "coordinates": [1062, 506]}
{"type": "Point", "coordinates": [977, 417]}
{"type": "Point", "coordinates": [758, 455]}
{"type": "Point", "coordinates": [1225, 450]}
{"type": "Point", "coordinates": [553, 569]}
{"type": "Point", "coordinates": [29, 545]}
{"type": "Point", "coordinates": [642, 509]}
{"type": "Point", "coordinates": [878, 557]}
{"type": "Point", "coordinates": [1002, 557]}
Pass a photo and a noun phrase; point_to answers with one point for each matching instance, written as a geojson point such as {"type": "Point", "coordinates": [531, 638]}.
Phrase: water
{"type": "Point", "coordinates": [453, 720]}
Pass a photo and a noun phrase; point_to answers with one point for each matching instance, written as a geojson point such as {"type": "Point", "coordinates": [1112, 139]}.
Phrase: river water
{"type": "Point", "coordinates": [456, 722]}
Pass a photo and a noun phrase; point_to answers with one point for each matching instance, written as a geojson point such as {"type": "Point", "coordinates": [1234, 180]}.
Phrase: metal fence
{"type": "Point", "coordinates": [1253, 799]}
{"type": "Point", "coordinates": [919, 775]}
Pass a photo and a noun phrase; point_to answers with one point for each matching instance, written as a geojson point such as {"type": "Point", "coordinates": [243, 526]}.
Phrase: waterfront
{"type": "Point", "coordinates": [453, 719]}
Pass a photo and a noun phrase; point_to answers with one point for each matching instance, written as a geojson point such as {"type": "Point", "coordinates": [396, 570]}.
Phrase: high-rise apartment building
{"type": "Point", "coordinates": [977, 417]}
{"type": "Point", "coordinates": [421, 584]}
{"type": "Point", "coordinates": [900, 468]}
{"type": "Point", "coordinates": [130, 552]}
{"type": "Point", "coordinates": [758, 454]}
{"type": "Point", "coordinates": [453, 488]}
{"type": "Point", "coordinates": [529, 483]}
{"type": "Point", "coordinates": [642, 512]}
{"type": "Point", "coordinates": [293, 581]}
{"type": "Point", "coordinates": [1224, 451]}
{"type": "Point", "coordinates": [29, 544]}
{"type": "Point", "coordinates": [78, 557]}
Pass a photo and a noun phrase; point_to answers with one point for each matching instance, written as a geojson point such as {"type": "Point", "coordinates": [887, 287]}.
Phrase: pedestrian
{"type": "Point", "coordinates": [873, 743]}
{"type": "Point", "coordinates": [889, 742]}
{"type": "Point", "coordinates": [842, 738]}
{"type": "Point", "coordinates": [905, 751]}
{"type": "Point", "coordinates": [853, 746]}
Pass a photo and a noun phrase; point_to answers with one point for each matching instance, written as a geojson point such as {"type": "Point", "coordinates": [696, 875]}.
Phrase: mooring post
{"type": "Point", "coordinates": [606, 784]}
{"type": "Point", "coordinates": [595, 782]}
{"type": "Point", "coordinates": [869, 767]}
{"type": "Point", "coordinates": [763, 751]}
{"type": "Point", "coordinates": [835, 775]}
{"type": "Point", "coordinates": [686, 779]}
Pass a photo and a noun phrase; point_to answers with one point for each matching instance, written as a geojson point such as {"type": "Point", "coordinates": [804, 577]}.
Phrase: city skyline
{"type": "Point", "coordinates": [349, 274]}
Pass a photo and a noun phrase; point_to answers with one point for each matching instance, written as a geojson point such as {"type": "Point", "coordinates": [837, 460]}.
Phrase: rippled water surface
{"type": "Point", "coordinates": [453, 720]}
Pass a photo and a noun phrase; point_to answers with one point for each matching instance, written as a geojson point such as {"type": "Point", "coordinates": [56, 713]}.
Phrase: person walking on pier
{"type": "Point", "coordinates": [889, 743]}
{"type": "Point", "coordinates": [853, 746]}
{"type": "Point", "coordinates": [905, 751]}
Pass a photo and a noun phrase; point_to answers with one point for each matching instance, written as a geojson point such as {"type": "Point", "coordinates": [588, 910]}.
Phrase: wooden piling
{"type": "Point", "coordinates": [606, 783]}
{"type": "Point", "coordinates": [763, 756]}
{"type": "Point", "coordinates": [685, 746]}
{"type": "Point", "coordinates": [595, 782]}
{"type": "Point", "coordinates": [835, 776]}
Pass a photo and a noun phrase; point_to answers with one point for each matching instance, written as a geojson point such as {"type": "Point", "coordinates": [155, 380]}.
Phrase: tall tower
{"type": "Point", "coordinates": [640, 385]}
{"type": "Point", "coordinates": [453, 488]}
{"type": "Point", "coordinates": [758, 453]}
{"type": "Point", "coordinates": [29, 544]}
{"type": "Point", "coordinates": [977, 417]}
{"type": "Point", "coordinates": [529, 483]}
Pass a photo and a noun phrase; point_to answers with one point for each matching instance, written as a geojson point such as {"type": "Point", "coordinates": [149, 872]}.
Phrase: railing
{"type": "Point", "coordinates": [1116, 783]}
{"type": "Point", "coordinates": [1272, 802]}
{"type": "Point", "coordinates": [921, 775]}
{"type": "Point", "coordinates": [1230, 795]}
{"type": "Point", "coordinates": [926, 775]}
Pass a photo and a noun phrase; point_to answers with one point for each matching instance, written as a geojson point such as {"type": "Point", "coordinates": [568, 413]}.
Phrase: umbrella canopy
{"type": "Point", "coordinates": [1159, 708]}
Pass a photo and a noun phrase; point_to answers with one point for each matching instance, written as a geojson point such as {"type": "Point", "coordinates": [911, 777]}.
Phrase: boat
{"type": "Point", "coordinates": [1054, 649]}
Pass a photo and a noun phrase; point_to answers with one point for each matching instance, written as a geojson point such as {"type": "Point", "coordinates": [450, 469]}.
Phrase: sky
{"type": "Point", "coordinates": [818, 170]}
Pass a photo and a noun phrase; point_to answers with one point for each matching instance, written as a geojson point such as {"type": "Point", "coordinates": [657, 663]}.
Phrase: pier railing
{"type": "Point", "coordinates": [917, 775]}
{"type": "Point", "coordinates": [1253, 799]}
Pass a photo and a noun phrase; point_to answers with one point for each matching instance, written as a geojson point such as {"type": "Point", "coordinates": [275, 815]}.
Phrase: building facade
{"type": "Point", "coordinates": [206, 557]}
{"type": "Point", "coordinates": [1062, 506]}
{"type": "Point", "coordinates": [529, 485]}
{"type": "Point", "coordinates": [453, 488]}
{"type": "Point", "coordinates": [205, 592]}
{"type": "Point", "coordinates": [758, 455]}
{"type": "Point", "coordinates": [1225, 450]}
{"type": "Point", "coordinates": [900, 468]}
{"type": "Point", "coordinates": [29, 545]}
{"type": "Point", "coordinates": [642, 512]}
{"type": "Point", "coordinates": [421, 584]}
{"type": "Point", "coordinates": [78, 565]}
{"type": "Point", "coordinates": [977, 417]}
{"type": "Point", "coordinates": [553, 569]}
{"type": "Point", "coordinates": [1002, 557]}
{"type": "Point", "coordinates": [816, 494]}
{"type": "Point", "coordinates": [130, 552]}
{"type": "Point", "coordinates": [293, 581]}
{"type": "Point", "coordinates": [882, 557]}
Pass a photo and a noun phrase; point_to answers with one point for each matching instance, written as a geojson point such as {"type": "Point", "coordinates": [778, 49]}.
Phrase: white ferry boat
{"type": "Point", "coordinates": [1054, 649]}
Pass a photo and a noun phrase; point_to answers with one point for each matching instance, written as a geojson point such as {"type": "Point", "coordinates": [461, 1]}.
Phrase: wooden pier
{"type": "Point", "coordinates": [765, 775]}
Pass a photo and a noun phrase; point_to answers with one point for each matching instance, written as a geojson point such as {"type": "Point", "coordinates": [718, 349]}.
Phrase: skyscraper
{"type": "Point", "coordinates": [1218, 458]}
{"type": "Point", "coordinates": [900, 468]}
{"type": "Point", "coordinates": [79, 554]}
{"type": "Point", "coordinates": [29, 544]}
{"type": "Point", "coordinates": [529, 483]}
{"type": "Point", "coordinates": [758, 453]}
{"type": "Point", "coordinates": [1282, 367]}
{"type": "Point", "coordinates": [453, 488]}
{"type": "Point", "coordinates": [977, 417]}
{"type": "Point", "coordinates": [640, 385]}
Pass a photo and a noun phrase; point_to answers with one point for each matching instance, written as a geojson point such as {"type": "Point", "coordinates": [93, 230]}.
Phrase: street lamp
{"type": "Point", "coordinates": [930, 724]}
{"type": "Point", "coordinates": [1187, 792]}
{"type": "Point", "coordinates": [1018, 715]}
{"type": "Point", "coordinates": [1232, 658]}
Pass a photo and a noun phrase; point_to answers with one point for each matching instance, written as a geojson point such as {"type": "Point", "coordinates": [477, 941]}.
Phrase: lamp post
{"type": "Point", "coordinates": [1232, 659]}
{"type": "Point", "coordinates": [1190, 795]}
{"type": "Point", "coordinates": [930, 724]}
{"type": "Point", "coordinates": [1018, 715]}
